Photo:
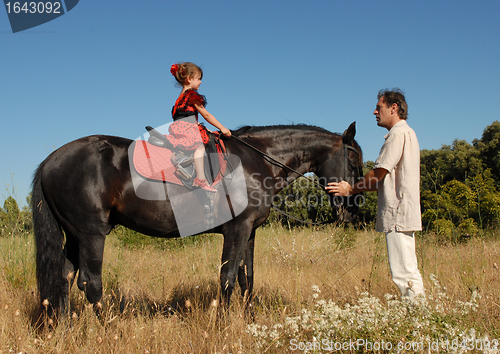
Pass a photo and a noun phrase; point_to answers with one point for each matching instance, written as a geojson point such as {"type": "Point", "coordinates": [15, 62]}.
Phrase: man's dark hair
{"type": "Point", "coordinates": [395, 96]}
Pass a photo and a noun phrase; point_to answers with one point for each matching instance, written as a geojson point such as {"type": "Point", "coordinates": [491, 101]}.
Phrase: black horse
{"type": "Point", "coordinates": [85, 188]}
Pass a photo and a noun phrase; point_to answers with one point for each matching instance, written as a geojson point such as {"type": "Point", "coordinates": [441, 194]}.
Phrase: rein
{"type": "Point", "coordinates": [282, 165]}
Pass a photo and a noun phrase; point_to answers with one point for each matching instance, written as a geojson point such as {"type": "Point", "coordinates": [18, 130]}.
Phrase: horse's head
{"type": "Point", "coordinates": [344, 162]}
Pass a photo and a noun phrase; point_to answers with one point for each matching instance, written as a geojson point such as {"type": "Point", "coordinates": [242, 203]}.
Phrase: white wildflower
{"type": "Point", "coordinates": [369, 318]}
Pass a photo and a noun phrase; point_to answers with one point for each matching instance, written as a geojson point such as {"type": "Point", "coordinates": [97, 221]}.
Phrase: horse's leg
{"type": "Point", "coordinates": [245, 274]}
{"type": "Point", "coordinates": [236, 236]}
{"type": "Point", "coordinates": [90, 263]}
{"type": "Point", "coordinates": [70, 268]}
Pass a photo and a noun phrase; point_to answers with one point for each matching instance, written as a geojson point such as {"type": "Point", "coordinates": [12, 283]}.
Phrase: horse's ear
{"type": "Point", "coordinates": [348, 136]}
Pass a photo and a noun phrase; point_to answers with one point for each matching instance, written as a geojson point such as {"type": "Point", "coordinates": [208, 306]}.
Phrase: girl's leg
{"type": "Point", "coordinates": [200, 179]}
{"type": "Point", "coordinates": [199, 163]}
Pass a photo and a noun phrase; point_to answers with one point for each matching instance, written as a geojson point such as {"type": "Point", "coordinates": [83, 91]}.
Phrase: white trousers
{"type": "Point", "coordinates": [403, 263]}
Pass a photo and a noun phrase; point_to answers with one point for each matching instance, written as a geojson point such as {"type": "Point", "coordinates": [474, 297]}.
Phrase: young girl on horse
{"type": "Point", "coordinates": [185, 131]}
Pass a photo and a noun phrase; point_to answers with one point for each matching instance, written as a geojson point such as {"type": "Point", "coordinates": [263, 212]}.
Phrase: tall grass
{"type": "Point", "coordinates": [311, 285]}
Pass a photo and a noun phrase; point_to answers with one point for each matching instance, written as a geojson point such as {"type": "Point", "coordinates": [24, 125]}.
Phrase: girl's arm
{"type": "Point", "coordinates": [212, 120]}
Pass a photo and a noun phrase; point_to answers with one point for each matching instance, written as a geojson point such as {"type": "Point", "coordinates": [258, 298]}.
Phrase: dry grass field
{"type": "Point", "coordinates": [316, 291]}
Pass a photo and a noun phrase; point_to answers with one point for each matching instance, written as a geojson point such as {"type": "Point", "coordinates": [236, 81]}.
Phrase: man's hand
{"type": "Point", "coordinates": [342, 188]}
{"type": "Point", "coordinates": [368, 183]}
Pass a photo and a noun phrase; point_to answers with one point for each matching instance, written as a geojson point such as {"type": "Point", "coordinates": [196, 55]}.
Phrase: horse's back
{"type": "Point", "coordinates": [84, 161]}
{"type": "Point", "coordinates": [82, 178]}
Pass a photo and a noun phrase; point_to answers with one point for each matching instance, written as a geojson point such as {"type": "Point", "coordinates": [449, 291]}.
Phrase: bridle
{"type": "Point", "coordinates": [345, 148]}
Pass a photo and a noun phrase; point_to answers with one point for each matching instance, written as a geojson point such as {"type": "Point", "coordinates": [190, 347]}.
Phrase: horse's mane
{"type": "Point", "coordinates": [249, 129]}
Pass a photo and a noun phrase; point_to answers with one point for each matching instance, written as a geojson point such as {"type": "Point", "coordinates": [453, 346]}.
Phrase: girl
{"type": "Point", "coordinates": [185, 131]}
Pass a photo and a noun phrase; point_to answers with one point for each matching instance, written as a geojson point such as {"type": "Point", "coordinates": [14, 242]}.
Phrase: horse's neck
{"type": "Point", "coordinates": [295, 149]}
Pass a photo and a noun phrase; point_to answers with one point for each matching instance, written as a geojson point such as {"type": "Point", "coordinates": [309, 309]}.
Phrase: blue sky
{"type": "Point", "coordinates": [103, 68]}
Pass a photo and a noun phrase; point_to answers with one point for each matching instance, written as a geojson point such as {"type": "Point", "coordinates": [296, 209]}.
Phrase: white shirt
{"type": "Point", "coordinates": [399, 192]}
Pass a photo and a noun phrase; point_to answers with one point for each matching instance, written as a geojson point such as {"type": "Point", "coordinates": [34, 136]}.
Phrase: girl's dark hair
{"type": "Point", "coordinates": [187, 69]}
{"type": "Point", "coordinates": [395, 96]}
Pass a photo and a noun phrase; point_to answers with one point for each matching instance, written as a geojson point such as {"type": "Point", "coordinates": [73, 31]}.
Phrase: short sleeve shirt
{"type": "Point", "coordinates": [184, 106]}
{"type": "Point", "coordinates": [399, 191]}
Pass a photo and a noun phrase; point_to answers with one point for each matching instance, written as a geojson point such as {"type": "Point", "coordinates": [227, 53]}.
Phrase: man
{"type": "Point", "coordinates": [396, 177]}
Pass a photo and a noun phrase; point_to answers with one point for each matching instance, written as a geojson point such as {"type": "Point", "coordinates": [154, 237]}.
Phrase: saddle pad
{"type": "Point", "coordinates": [153, 162]}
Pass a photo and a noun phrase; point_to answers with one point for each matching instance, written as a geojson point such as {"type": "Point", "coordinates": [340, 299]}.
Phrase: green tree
{"type": "Point", "coordinates": [488, 199]}
{"type": "Point", "coordinates": [455, 162]}
{"type": "Point", "coordinates": [9, 214]}
{"type": "Point", "coordinates": [489, 148]}
{"type": "Point", "coordinates": [451, 211]}
{"type": "Point", "coordinates": [12, 219]}
{"type": "Point", "coordinates": [462, 207]}
{"type": "Point", "coordinates": [458, 191]}
{"type": "Point", "coordinates": [10, 206]}
{"type": "Point", "coordinates": [455, 201]}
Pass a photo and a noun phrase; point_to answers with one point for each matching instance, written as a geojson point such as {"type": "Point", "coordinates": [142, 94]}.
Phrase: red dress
{"type": "Point", "coordinates": [183, 134]}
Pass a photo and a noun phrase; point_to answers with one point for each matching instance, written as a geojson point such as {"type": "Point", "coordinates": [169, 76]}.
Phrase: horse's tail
{"type": "Point", "coordinates": [49, 239]}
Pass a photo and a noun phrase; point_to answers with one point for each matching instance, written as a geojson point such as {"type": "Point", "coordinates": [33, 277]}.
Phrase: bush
{"type": "Point", "coordinates": [444, 229]}
{"type": "Point", "coordinates": [468, 227]}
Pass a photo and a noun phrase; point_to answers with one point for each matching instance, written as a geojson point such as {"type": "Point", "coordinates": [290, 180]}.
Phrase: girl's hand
{"type": "Point", "coordinates": [212, 120]}
{"type": "Point", "coordinates": [226, 132]}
